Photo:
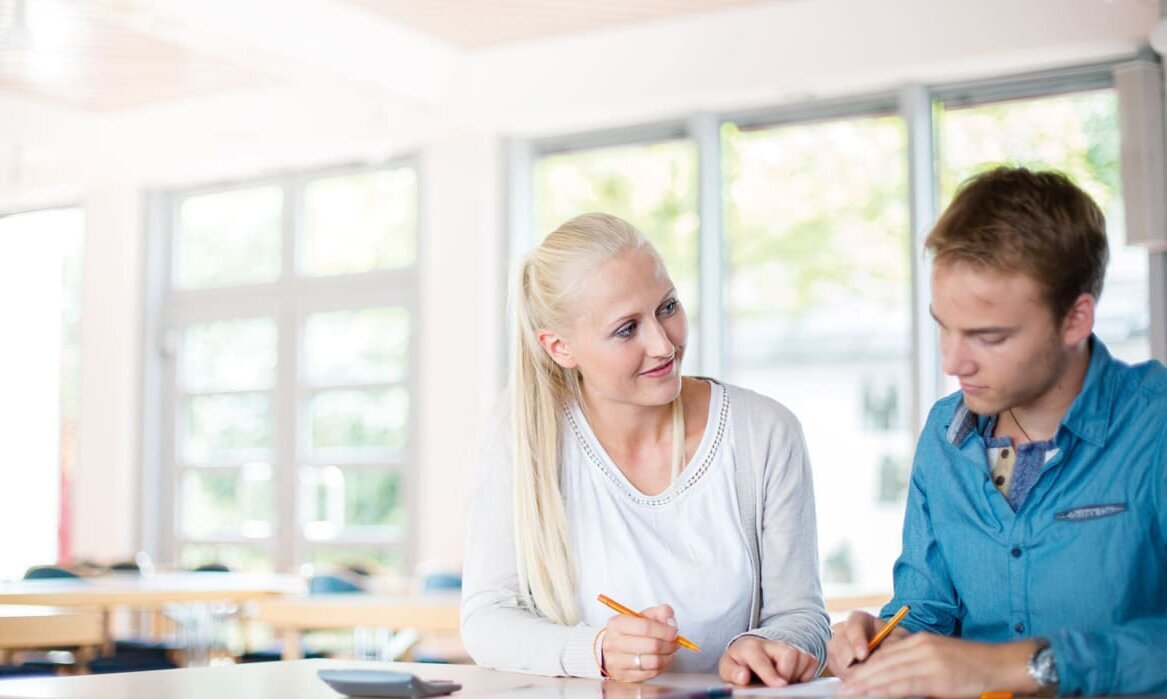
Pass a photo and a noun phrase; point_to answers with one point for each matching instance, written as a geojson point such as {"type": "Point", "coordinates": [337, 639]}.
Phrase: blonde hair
{"type": "Point", "coordinates": [544, 287]}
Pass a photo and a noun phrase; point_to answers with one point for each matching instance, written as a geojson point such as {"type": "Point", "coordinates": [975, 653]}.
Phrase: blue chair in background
{"type": "Point", "coordinates": [26, 670]}
{"type": "Point", "coordinates": [441, 581]}
{"type": "Point", "coordinates": [131, 661]}
{"type": "Point", "coordinates": [48, 572]}
{"type": "Point", "coordinates": [212, 568]}
{"type": "Point", "coordinates": [333, 583]}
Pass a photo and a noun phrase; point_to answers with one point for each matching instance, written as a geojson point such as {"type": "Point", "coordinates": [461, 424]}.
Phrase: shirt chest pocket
{"type": "Point", "coordinates": [1092, 551]}
{"type": "Point", "coordinates": [1110, 524]}
{"type": "Point", "coordinates": [1085, 513]}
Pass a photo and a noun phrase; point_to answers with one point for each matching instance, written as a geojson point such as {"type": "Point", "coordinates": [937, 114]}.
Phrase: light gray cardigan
{"type": "Point", "coordinates": [776, 501]}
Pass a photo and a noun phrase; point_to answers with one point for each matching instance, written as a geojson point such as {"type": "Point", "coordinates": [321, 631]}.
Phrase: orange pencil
{"type": "Point", "coordinates": [887, 628]}
{"type": "Point", "coordinates": [616, 606]}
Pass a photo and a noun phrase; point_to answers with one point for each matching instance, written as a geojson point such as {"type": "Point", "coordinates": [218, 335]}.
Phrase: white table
{"type": "Point", "coordinates": [297, 680]}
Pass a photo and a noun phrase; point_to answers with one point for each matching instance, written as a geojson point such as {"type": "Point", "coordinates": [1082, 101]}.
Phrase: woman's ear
{"type": "Point", "coordinates": [556, 348]}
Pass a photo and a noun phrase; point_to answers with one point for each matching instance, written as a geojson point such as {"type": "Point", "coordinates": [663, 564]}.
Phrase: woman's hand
{"type": "Point", "coordinates": [639, 649]}
{"type": "Point", "coordinates": [774, 662]}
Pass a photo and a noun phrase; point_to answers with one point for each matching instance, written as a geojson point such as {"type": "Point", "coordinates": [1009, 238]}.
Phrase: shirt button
{"type": "Point", "coordinates": [1019, 627]}
{"type": "Point", "coordinates": [1000, 480]}
{"type": "Point", "coordinates": [1004, 453]}
{"type": "Point", "coordinates": [1016, 552]}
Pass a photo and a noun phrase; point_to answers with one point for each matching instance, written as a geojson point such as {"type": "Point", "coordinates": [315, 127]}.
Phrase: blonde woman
{"type": "Point", "coordinates": [611, 474]}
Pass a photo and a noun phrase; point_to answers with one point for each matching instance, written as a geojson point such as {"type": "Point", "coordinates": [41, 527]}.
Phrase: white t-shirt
{"type": "Point", "coordinates": [684, 547]}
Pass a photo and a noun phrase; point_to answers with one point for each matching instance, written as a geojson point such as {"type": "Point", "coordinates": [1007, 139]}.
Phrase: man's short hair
{"type": "Point", "coordinates": [1041, 224]}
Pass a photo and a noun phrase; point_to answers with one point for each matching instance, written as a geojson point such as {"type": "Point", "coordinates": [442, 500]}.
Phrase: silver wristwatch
{"type": "Point", "coordinates": [1043, 670]}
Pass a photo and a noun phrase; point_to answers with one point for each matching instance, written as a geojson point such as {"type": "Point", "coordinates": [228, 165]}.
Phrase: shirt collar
{"type": "Point", "coordinates": [1089, 414]}
{"type": "Point", "coordinates": [1088, 417]}
{"type": "Point", "coordinates": [963, 424]}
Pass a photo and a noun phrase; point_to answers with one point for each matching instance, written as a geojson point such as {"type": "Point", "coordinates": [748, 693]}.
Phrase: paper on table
{"type": "Point", "coordinates": [822, 687]}
{"type": "Point", "coordinates": [538, 692]}
{"type": "Point", "coordinates": [614, 690]}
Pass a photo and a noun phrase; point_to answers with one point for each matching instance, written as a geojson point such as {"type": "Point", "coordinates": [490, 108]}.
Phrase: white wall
{"type": "Point", "coordinates": [453, 117]}
{"type": "Point", "coordinates": [105, 490]}
{"type": "Point", "coordinates": [461, 325]}
{"type": "Point", "coordinates": [789, 51]}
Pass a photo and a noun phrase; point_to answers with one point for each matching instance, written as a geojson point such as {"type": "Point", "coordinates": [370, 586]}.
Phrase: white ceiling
{"type": "Point", "coordinates": [98, 56]}
{"type": "Point", "coordinates": [197, 90]}
{"type": "Point", "coordinates": [107, 55]}
{"type": "Point", "coordinates": [478, 23]}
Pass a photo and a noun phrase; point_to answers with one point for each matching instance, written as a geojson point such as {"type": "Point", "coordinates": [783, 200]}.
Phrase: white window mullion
{"type": "Point", "coordinates": [916, 109]}
{"type": "Point", "coordinates": [705, 129]}
{"type": "Point", "coordinates": [287, 406]}
{"type": "Point", "coordinates": [520, 200]}
{"type": "Point", "coordinates": [409, 471]}
{"type": "Point", "coordinates": [520, 233]}
{"type": "Point", "coordinates": [157, 419]}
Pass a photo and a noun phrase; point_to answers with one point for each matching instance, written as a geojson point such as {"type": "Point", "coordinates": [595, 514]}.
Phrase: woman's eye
{"type": "Point", "coordinates": [669, 308]}
{"type": "Point", "coordinates": [626, 330]}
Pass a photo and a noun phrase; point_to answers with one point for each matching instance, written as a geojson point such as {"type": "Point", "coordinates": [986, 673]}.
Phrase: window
{"type": "Point", "coordinates": [228, 238]}
{"type": "Point", "coordinates": [819, 314]}
{"type": "Point", "coordinates": [40, 301]}
{"type": "Point", "coordinates": [291, 308]}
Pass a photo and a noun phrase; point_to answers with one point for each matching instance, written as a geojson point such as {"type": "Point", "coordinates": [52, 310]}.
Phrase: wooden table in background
{"type": "Point", "coordinates": [26, 627]}
{"type": "Point", "coordinates": [291, 616]}
{"type": "Point", "coordinates": [839, 607]}
{"type": "Point", "coordinates": [108, 593]}
{"type": "Point", "coordinates": [148, 591]}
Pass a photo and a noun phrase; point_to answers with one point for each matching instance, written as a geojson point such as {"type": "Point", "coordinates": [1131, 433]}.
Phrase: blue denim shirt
{"type": "Point", "coordinates": [1083, 560]}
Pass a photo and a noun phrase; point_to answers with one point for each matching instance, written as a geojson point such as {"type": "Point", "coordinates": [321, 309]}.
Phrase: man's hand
{"type": "Point", "coordinates": [849, 641]}
{"type": "Point", "coordinates": [925, 664]}
{"type": "Point", "coordinates": [775, 663]}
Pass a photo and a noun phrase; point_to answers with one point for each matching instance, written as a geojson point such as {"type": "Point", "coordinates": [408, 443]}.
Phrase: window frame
{"type": "Point", "coordinates": [915, 103]}
{"type": "Point", "coordinates": [288, 301]}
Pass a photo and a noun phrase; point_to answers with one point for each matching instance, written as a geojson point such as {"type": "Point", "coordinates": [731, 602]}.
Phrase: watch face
{"type": "Point", "coordinates": [1042, 669]}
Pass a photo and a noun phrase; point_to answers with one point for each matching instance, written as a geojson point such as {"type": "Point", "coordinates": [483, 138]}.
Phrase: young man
{"type": "Point", "coordinates": [1035, 540]}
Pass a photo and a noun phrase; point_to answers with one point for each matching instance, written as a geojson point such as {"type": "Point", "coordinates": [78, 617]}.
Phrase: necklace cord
{"type": "Point", "coordinates": [1018, 423]}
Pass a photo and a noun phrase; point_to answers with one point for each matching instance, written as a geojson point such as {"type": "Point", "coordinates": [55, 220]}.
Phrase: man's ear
{"type": "Point", "coordinates": [556, 348]}
{"type": "Point", "coordinates": [1079, 320]}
